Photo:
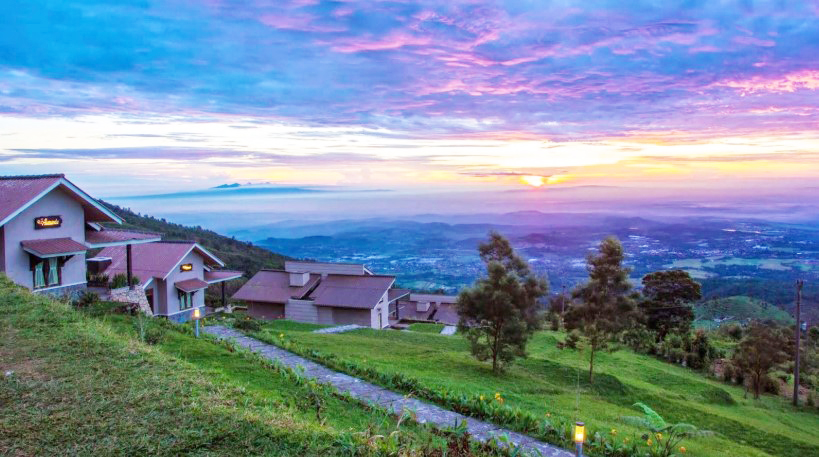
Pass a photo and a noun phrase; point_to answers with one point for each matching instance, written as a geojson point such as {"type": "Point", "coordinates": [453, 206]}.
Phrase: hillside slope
{"type": "Point", "coordinates": [73, 384]}
{"type": "Point", "coordinates": [738, 308]}
{"type": "Point", "coordinates": [238, 255]}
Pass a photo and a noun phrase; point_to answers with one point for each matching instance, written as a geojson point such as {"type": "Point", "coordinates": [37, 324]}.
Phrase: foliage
{"type": "Point", "coordinates": [240, 255]}
{"type": "Point", "coordinates": [121, 280]}
{"type": "Point", "coordinates": [86, 299]}
{"type": "Point", "coordinates": [603, 307]}
{"type": "Point", "coordinates": [718, 396]}
{"type": "Point", "coordinates": [97, 279]}
{"type": "Point", "coordinates": [738, 310]}
{"type": "Point", "coordinates": [547, 383]}
{"type": "Point", "coordinates": [500, 312]}
{"type": "Point", "coordinates": [663, 439]}
{"type": "Point", "coordinates": [666, 303]}
{"type": "Point", "coordinates": [763, 348]}
{"type": "Point", "coordinates": [247, 324]}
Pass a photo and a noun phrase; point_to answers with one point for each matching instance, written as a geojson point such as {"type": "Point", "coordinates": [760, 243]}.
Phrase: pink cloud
{"type": "Point", "coordinates": [393, 41]}
{"type": "Point", "coordinates": [749, 40]}
{"type": "Point", "coordinates": [806, 79]}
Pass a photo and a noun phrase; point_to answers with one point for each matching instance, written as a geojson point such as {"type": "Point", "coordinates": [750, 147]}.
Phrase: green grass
{"type": "Point", "coordinates": [422, 327]}
{"type": "Point", "coordinates": [546, 383]}
{"type": "Point", "coordinates": [85, 385]}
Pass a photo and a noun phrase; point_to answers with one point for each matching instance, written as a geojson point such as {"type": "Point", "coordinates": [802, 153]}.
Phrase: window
{"type": "Point", "coordinates": [47, 272]}
{"type": "Point", "coordinates": [185, 300]}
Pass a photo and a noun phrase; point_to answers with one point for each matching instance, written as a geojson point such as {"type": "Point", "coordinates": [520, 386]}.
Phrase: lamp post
{"type": "Point", "coordinates": [196, 317]}
{"type": "Point", "coordinates": [579, 437]}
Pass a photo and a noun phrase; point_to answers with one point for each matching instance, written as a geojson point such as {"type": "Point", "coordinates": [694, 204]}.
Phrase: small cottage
{"type": "Point", "coordinates": [173, 274]}
{"type": "Point", "coordinates": [46, 226]}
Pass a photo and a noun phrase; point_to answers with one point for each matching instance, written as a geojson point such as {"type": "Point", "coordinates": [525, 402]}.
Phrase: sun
{"type": "Point", "coordinates": [534, 181]}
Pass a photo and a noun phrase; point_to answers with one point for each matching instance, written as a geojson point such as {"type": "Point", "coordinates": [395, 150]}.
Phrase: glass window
{"type": "Point", "coordinates": [39, 275]}
{"type": "Point", "coordinates": [185, 300]}
{"type": "Point", "coordinates": [53, 272]}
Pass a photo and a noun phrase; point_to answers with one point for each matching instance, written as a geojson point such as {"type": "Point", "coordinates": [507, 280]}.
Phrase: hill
{"type": "Point", "coordinates": [739, 308]}
{"type": "Point", "coordinates": [238, 255]}
{"type": "Point", "coordinates": [75, 384]}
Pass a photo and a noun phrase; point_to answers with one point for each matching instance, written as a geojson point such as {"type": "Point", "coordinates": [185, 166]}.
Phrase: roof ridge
{"type": "Point", "coordinates": [144, 232]}
{"type": "Point", "coordinates": [53, 175]}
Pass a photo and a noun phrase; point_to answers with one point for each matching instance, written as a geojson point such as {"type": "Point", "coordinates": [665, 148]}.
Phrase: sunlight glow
{"type": "Point", "coordinates": [534, 181]}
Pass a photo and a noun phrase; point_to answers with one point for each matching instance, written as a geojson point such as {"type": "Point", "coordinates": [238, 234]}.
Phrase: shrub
{"type": "Point", "coordinates": [121, 280]}
{"type": "Point", "coordinates": [154, 334]}
{"type": "Point", "coordinates": [248, 324]}
{"type": "Point", "coordinates": [86, 299]}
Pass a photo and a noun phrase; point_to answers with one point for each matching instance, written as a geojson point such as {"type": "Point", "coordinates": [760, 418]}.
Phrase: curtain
{"type": "Point", "coordinates": [53, 272]}
{"type": "Point", "coordinates": [39, 276]}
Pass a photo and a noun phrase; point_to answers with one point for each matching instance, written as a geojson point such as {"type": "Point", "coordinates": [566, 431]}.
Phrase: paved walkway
{"type": "Point", "coordinates": [449, 330]}
{"type": "Point", "coordinates": [339, 329]}
{"type": "Point", "coordinates": [395, 403]}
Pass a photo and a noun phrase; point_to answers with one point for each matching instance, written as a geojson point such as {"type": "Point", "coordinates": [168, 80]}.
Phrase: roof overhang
{"type": "Point", "coordinates": [106, 238]}
{"type": "Point", "coordinates": [84, 198]}
{"type": "Point", "coordinates": [56, 247]}
{"type": "Point", "coordinates": [213, 277]}
{"type": "Point", "coordinates": [191, 285]}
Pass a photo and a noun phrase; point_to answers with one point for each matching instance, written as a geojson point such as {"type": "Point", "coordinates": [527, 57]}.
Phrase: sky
{"type": "Point", "coordinates": [134, 97]}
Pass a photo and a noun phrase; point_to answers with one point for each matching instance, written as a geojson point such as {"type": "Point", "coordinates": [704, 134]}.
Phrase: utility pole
{"type": "Point", "coordinates": [799, 284]}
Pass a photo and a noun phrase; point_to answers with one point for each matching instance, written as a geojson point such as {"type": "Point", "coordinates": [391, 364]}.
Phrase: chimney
{"type": "Point", "coordinates": [299, 279]}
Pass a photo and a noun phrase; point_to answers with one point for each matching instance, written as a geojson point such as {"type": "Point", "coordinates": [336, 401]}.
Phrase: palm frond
{"type": "Point", "coordinates": [656, 421]}
{"type": "Point", "coordinates": [639, 422]}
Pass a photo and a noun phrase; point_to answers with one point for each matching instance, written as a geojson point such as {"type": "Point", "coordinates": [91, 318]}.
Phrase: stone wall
{"type": "Point", "coordinates": [68, 292]}
{"type": "Point", "coordinates": [135, 296]}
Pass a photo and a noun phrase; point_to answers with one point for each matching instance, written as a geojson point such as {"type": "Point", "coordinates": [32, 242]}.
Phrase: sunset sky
{"type": "Point", "coordinates": [135, 97]}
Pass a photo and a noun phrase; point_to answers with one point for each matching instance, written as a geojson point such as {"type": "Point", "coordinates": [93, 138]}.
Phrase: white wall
{"type": "Point", "coordinates": [55, 203]}
{"type": "Point", "coordinates": [172, 297]}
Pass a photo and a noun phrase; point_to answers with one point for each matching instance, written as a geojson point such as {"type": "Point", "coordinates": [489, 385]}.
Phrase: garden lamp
{"type": "Point", "coordinates": [196, 317]}
{"type": "Point", "coordinates": [579, 437]}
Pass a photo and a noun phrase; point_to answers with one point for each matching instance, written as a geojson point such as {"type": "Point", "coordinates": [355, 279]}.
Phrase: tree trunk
{"type": "Point", "coordinates": [591, 366]}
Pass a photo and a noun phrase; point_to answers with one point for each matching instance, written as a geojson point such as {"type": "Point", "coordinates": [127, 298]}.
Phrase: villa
{"type": "Point", "coordinates": [320, 293]}
{"type": "Point", "coordinates": [173, 274]}
{"type": "Point", "coordinates": [46, 226]}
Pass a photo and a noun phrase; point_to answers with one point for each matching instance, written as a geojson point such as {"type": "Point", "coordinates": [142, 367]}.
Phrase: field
{"type": "Point", "coordinates": [738, 309]}
{"type": "Point", "coordinates": [553, 381]}
{"type": "Point", "coordinates": [82, 385]}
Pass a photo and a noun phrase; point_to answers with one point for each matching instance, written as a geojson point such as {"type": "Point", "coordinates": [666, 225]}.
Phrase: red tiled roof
{"type": "Point", "coordinates": [150, 260]}
{"type": "Point", "coordinates": [112, 237]}
{"type": "Point", "coordinates": [352, 291]}
{"type": "Point", "coordinates": [53, 247]}
{"type": "Point", "coordinates": [273, 286]}
{"type": "Point", "coordinates": [19, 191]}
{"type": "Point", "coordinates": [221, 275]}
{"type": "Point", "coordinates": [190, 285]}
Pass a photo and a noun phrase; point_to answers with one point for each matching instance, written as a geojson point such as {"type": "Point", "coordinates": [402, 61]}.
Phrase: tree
{"type": "Point", "coordinates": [667, 298]}
{"type": "Point", "coordinates": [762, 348]}
{"type": "Point", "coordinates": [501, 311]}
{"type": "Point", "coordinates": [603, 306]}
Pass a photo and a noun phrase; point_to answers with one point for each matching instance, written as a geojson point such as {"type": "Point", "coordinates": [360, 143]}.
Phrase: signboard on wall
{"type": "Point", "coordinates": [46, 222]}
{"type": "Point", "coordinates": [186, 267]}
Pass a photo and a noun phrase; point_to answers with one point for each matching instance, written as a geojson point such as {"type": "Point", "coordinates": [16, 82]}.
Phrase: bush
{"type": "Point", "coordinates": [718, 396]}
{"type": "Point", "coordinates": [154, 334]}
{"type": "Point", "coordinates": [86, 299]}
{"type": "Point", "coordinates": [121, 280]}
{"type": "Point", "coordinates": [247, 324]}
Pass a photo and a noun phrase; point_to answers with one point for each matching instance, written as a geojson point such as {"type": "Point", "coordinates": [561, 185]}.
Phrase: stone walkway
{"type": "Point", "coordinates": [339, 329]}
{"type": "Point", "coordinates": [449, 330]}
{"type": "Point", "coordinates": [379, 396]}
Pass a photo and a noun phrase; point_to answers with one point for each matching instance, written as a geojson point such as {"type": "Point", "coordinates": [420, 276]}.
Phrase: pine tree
{"type": "Point", "coordinates": [603, 306]}
{"type": "Point", "coordinates": [667, 298]}
{"type": "Point", "coordinates": [501, 311]}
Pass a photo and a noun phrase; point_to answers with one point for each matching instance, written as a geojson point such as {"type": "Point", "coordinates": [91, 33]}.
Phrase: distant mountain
{"type": "Point", "coordinates": [238, 255]}
{"type": "Point", "coordinates": [231, 190]}
{"type": "Point", "coordinates": [227, 186]}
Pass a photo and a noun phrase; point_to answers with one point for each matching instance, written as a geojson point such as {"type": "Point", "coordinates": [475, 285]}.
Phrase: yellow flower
{"type": "Point", "coordinates": [482, 397]}
{"type": "Point", "coordinates": [649, 442]}
{"type": "Point", "coordinates": [281, 335]}
{"type": "Point", "coordinates": [659, 436]}
{"type": "Point", "coordinates": [614, 432]}
{"type": "Point", "coordinates": [682, 449]}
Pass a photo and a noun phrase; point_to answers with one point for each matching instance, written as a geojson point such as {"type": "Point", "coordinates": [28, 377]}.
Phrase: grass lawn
{"type": "Point", "coordinates": [84, 385]}
{"type": "Point", "coordinates": [423, 327]}
{"type": "Point", "coordinates": [546, 383]}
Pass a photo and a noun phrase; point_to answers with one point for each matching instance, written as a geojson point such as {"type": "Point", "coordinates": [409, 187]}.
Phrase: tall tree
{"type": "Point", "coordinates": [500, 312]}
{"type": "Point", "coordinates": [603, 306]}
{"type": "Point", "coordinates": [763, 348]}
{"type": "Point", "coordinates": [666, 303]}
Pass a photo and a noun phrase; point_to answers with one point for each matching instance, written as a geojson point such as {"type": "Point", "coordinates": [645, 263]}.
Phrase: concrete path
{"type": "Point", "coordinates": [339, 329]}
{"type": "Point", "coordinates": [449, 330]}
{"type": "Point", "coordinates": [394, 402]}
